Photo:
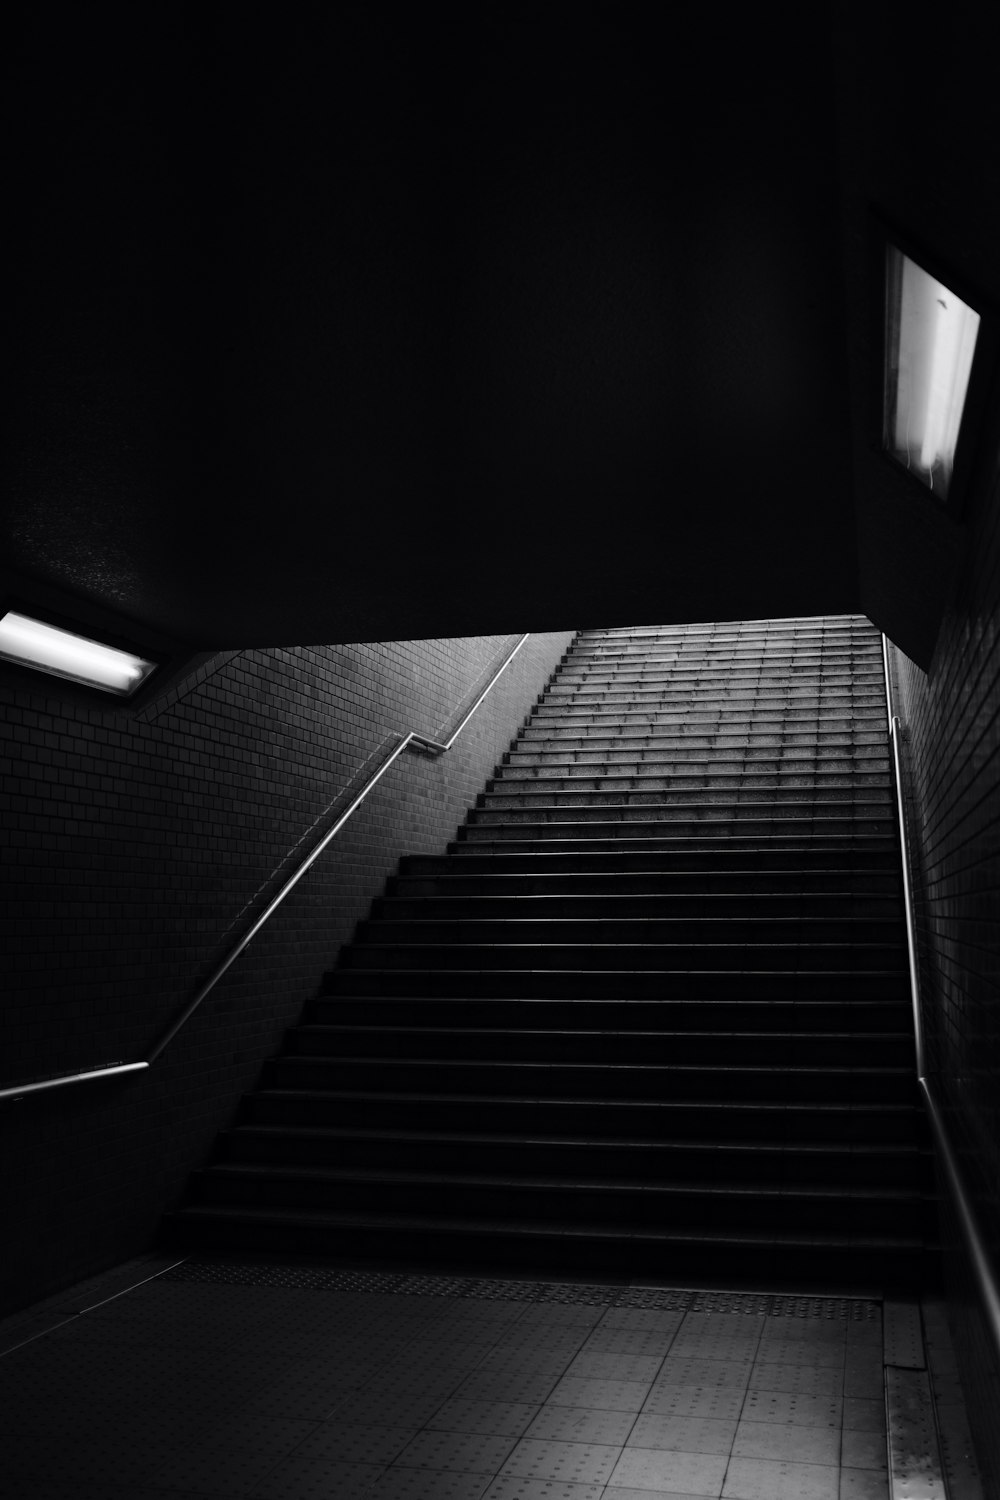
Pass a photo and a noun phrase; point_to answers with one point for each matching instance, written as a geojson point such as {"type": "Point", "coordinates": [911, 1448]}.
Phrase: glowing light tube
{"type": "Point", "coordinates": [45, 648]}
{"type": "Point", "coordinates": [930, 342]}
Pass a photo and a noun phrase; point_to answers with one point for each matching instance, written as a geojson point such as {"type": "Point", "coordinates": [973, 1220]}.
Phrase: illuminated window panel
{"type": "Point", "coordinates": [45, 648]}
{"type": "Point", "coordinates": [930, 342]}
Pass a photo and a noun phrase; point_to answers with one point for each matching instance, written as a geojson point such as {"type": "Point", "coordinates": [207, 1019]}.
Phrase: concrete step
{"type": "Point", "coordinates": [732, 791]}
{"type": "Point", "coordinates": [582, 1081]}
{"type": "Point", "coordinates": [597, 1250]}
{"type": "Point", "coordinates": [423, 875]}
{"type": "Point", "coordinates": [572, 982]}
{"type": "Point", "coordinates": [892, 1164]}
{"type": "Point", "coordinates": [672, 820]}
{"type": "Point", "coordinates": [573, 1044]}
{"type": "Point", "coordinates": [720, 1120]}
{"type": "Point", "coordinates": [719, 1205]}
{"type": "Point", "coordinates": [692, 928]}
{"type": "Point", "coordinates": [729, 906]}
{"type": "Point", "coordinates": [793, 1014]}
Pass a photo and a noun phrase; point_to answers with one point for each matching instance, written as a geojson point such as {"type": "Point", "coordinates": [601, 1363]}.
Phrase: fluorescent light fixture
{"type": "Point", "coordinates": [45, 648]}
{"type": "Point", "coordinates": [930, 340]}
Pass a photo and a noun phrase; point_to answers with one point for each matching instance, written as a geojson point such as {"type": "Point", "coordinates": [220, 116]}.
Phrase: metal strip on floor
{"type": "Point", "coordinates": [915, 1471]}
{"type": "Point", "coordinates": [903, 1335]}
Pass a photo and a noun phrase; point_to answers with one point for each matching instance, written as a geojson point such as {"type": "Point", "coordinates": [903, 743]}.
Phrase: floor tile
{"type": "Point", "coordinates": [803, 1352]}
{"type": "Point", "coordinates": [803, 1411]}
{"type": "Point", "coordinates": [686, 1434]}
{"type": "Point", "coordinates": [515, 1487]}
{"type": "Point", "coordinates": [864, 1415]}
{"type": "Point", "coordinates": [693, 1370]}
{"type": "Point", "coordinates": [235, 1457]}
{"type": "Point", "coordinates": [866, 1382]}
{"type": "Point", "coordinates": [862, 1484]}
{"type": "Point", "coordinates": [316, 1479]}
{"type": "Point", "coordinates": [504, 1385]}
{"type": "Point", "coordinates": [582, 1424]}
{"type": "Point", "coordinates": [863, 1450]}
{"type": "Point", "coordinates": [605, 1366]}
{"type": "Point", "coordinates": [474, 1452]}
{"type": "Point", "coordinates": [724, 1403]}
{"type": "Point", "coordinates": [282, 1392]}
{"type": "Point", "coordinates": [373, 1410]}
{"type": "Point", "coordinates": [627, 1341]}
{"type": "Point", "coordinates": [615, 1492]}
{"type": "Point", "coordinates": [615, 1395]}
{"type": "Point", "coordinates": [656, 1469]}
{"type": "Point", "coordinates": [500, 1418]}
{"type": "Point", "coordinates": [767, 1479]}
{"type": "Point", "coordinates": [356, 1443]}
{"type": "Point", "coordinates": [426, 1484]}
{"type": "Point", "coordinates": [572, 1463]}
{"type": "Point", "coordinates": [781, 1440]}
{"type": "Point", "coordinates": [648, 1320]}
{"type": "Point", "coordinates": [811, 1380]}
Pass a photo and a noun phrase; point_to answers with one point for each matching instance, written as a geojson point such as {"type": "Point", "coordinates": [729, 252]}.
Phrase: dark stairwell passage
{"type": "Point", "coordinates": [649, 1015]}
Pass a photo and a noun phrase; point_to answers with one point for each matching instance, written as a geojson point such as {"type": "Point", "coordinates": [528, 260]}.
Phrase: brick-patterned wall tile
{"type": "Point", "coordinates": [952, 770]}
{"type": "Point", "coordinates": [139, 848]}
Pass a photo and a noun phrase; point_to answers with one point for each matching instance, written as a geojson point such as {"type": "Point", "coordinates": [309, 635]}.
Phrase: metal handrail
{"type": "Point", "coordinates": [975, 1241]}
{"type": "Point", "coordinates": [423, 742]}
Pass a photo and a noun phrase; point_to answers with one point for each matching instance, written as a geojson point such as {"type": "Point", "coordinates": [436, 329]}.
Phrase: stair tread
{"type": "Point", "coordinates": [609, 1143]}
{"type": "Point", "coordinates": [737, 1106]}
{"type": "Point", "coordinates": [333, 1028]}
{"type": "Point", "coordinates": [545, 1182]}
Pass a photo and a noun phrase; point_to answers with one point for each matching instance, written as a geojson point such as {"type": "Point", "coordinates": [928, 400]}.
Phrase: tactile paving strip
{"type": "Point", "coordinates": [666, 1299]}
{"type": "Point", "coordinates": [854, 1309]}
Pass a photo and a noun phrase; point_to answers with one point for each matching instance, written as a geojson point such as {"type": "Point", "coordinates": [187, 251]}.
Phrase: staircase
{"type": "Point", "coordinates": [647, 1017]}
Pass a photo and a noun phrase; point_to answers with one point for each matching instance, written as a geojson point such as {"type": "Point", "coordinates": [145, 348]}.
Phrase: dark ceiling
{"type": "Point", "coordinates": [330, 324]}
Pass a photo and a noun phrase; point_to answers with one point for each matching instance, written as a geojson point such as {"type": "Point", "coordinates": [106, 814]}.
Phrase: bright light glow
{"type": "Point", "coordinates": [47, 649]}
{"type": "Point", "coordinates": [930, 341]}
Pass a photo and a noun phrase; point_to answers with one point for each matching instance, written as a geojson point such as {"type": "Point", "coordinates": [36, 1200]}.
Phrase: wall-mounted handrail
{"type": "Point", "coordinates": [983, 1272]}
{"type": "Point", "coordinates": [412, 739]}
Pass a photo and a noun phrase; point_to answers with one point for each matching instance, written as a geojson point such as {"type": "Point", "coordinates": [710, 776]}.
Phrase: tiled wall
{"type": "Point", "coordinates": [952, 775]}
{"type": "Point", "coordinates": [138, 848]}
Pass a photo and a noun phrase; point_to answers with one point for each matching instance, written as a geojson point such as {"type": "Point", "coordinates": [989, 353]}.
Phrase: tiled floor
{"type": "Point", "coordinates": [322, 1384]}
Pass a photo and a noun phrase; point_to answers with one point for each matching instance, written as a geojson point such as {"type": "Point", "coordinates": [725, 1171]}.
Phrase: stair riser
{"type": "Point", "coordinates": [769, 742]}
{"type": "Point", "coordinates": [737, 910]}
{"type": "Point", "coordinates": [867, 894]}
{"type": "Point", "coordinates": [606, 1119]}
{"type": "Point", "coordinates": [496, 1250]}
{"type": "Point", "coordinates": [740, 717]}
{"type": "Point", "coordinates": [707, 1211]}
{"type": "Point", "coordinates": [620, 1016]}
{"type": "Point", "coordinates": [691, 690]}
{"type": "Point", "coordinates": [519, 900]}
{"type": "Point", "coordinates": [573, 984]}
{"type": "Point", "coordinates": [748, 819]}
{"type": "Point", "coordinates": [671, 838]}
{"type": "Point", "coordinates": [702, 778]}
{"type": "Point", "coordinates": [762, 799]}
{"type": "Point", "coordinates": [701, 1050]}
{"type": "Point", "coordinates": [615, 958]}
{"type": "Point", "coordinates": [573, 1081]}
{"type": "Point", "coordinates": [678, 675]}
{"type": "Point", "coordinates": [673, 861]}
{"type": "Point", "coordinates": [579, 1161]}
